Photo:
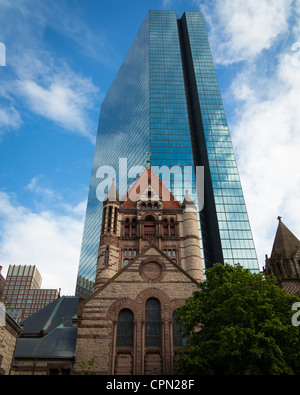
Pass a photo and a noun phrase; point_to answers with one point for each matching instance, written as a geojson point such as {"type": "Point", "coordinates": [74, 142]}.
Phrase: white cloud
{"type": "Point", "coordinates": [56, 92]}
{"type": "Point", "coordinates": [266, 137]}
{"type": "Point", "coordinates": [242, 29]}
{"type": "Point", "coordinates": [35, 79]}
{"type": "Point", "coordinates": [49, 241]}
{"type": "Point", "coordinates": [9, 118]}
{"type": "Point", "coordinates": [34, 186]}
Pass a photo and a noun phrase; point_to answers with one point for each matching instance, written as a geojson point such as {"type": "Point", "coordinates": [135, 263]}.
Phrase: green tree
{"type": "Point", "coordinates": [240, 324]}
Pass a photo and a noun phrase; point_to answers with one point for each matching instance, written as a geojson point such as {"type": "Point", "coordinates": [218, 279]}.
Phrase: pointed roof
{"type": "Point", "coordinates": [285, 243]}
{"type": "Point", "coordinates": [112, 194]}
{"type": "Point", "coordinates": [188, 201]}
{"type": "Point", "coordinates": [149, 177]}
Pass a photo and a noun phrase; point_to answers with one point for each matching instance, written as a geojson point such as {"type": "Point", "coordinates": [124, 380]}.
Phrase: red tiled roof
{"type": "Point", "coordinates": [139, 186]}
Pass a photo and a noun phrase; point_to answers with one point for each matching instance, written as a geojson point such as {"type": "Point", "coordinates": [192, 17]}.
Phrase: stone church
{"type": "Point", "coordinates": [149, 263]}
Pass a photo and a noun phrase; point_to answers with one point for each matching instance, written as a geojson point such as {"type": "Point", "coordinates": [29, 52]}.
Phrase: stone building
{"type": "Point", "coordinates": [284, 261]}
{"type": "Point", "coordinates": [9, 332]}
{"type": "Point", "coordinates": [46, 345]}
{"type": "Point", "coordinates": [149, 263]}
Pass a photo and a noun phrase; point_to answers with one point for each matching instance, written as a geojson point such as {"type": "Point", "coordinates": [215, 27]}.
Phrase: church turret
{"type": "Point", "coordinates": [284, 261]}
{"type": "Point", "coordinates": [108, 252]}
{"type": "Point", "coordinates": [190, 247]}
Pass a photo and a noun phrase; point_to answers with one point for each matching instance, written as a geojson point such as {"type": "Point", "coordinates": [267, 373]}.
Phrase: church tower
{"type": "Point", "coordinates": [108, 252]}
{"type": "Point", "coordinates": [284, 261]}
{"type": "Point", "coordinates": [149, 263]}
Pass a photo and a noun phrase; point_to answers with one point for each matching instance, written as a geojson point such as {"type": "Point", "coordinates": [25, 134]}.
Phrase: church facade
{"type": "Point", "coordinates": [149, 263]}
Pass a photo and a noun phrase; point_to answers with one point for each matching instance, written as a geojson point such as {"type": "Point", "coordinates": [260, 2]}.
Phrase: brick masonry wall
{"type": "Point", "coordinates": [8, 339]}
{"type": "Point", "coordinates": [130, 288]}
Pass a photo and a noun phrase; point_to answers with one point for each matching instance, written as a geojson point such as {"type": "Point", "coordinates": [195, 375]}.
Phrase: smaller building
{"type": "Point", "coordinates": [284, 261]}
{"type": "Point", "coordinates": [23, 294]}
{"type": "Point", "coordinates": [47, 343]}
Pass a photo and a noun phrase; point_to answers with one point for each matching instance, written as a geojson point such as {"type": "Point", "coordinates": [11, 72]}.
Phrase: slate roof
{"type": "Point", "coordinates": [62, 309]}
{"type": "Point", "coordinates": [49, 332]}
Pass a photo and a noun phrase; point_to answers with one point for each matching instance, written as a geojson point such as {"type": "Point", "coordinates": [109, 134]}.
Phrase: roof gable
{"type": "Point", "coordinates": [143, 254]}
{"type": "Point", "coordinates": [137, 190]}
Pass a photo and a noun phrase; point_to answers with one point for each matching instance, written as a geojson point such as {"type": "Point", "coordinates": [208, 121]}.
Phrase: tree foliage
{"type": "Point", "coordinates": [240, 324]}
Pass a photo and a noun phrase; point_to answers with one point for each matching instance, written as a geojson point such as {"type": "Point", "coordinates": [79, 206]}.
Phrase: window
{"type": "Point", "coordinates": [165, 227]}
{"type": "Point", "coordinates": [127, 227]}
{"type": "Point", "coordinates": [178, 340]}
{"type": "Point", "coordinates": [149, 226]}
{"type": "Point", "coordinates": [115, 220]}
{"type": "Point", "coordinates": [133, 227]}
{"type": "Point", "coordinates": [103, 219]}
{"type": "Point", "coordinates": [125, 329]}
{"type": "Point", "coordinates": [152, 323]}
{"type": "Point", "coordinates": [172, 227]}
{"type": "Point", "coordinates": [109, 218]}
{"type": "Point", "coordinates": [125, 262]}
{"type": "Point", "coordinates": [106, 256]}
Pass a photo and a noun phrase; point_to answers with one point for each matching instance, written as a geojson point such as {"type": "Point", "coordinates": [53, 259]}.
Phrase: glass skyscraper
{"type": "Point", "coordinates": [166, 99]}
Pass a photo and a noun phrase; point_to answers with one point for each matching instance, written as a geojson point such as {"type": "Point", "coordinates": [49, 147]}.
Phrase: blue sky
{"type": "Point", "coordinates": [62, 56]}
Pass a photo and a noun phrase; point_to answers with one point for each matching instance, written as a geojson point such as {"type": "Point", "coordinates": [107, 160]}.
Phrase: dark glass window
{"type": "Point", "coordinates": [152, 323]}
{"type": "Point", "coordinates": [125, 329]}
{"type": "Point", "coordinates": [178, 340]}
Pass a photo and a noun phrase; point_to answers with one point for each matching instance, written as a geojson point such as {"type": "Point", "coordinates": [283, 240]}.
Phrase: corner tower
{"type": "Point", "coordinates": [284, 261]}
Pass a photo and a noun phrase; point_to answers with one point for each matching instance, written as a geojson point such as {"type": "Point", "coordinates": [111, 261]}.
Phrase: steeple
{"type": "Point", "coordinates": [112, 195]}
{"type": "Point", "coordinates": [286, 243]}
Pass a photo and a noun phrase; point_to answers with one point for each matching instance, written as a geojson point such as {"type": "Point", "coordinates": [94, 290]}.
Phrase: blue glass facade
{"type": "Point", "coordinates": [166, 98]}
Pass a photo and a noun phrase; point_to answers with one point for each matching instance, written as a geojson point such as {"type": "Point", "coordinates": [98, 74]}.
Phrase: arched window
{"type": "Point", "coordinates": [106, 256]}
{"type": "Point", "coordinates": [115, 220]}
{"type": "Point", "coordinates": [133, 227]}
{"type": "Point", "coordinates": [165, 227]}
{"type": "Point", "coordinates": [178, 340]}
{"type": "Point", "coordinates": [149, 226]}
{"type": "Point", "coordinates": [125, 329]}
{"type": "Point", "coordinates": [172, 227]}
{"type": "Point", "coordinates": [103, 219]}
{"type": "Point", "coordinates": [127, 227]}
{"type": "Point", "coordinates": [125, 262]}
{"type": "Point", "coordinates": [152, 323]}
{"type": "Point", "coordinates": [109, 218]}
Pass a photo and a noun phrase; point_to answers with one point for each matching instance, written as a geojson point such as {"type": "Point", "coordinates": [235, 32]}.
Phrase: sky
{"type": "Point", "coordinates": [60, 59]}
